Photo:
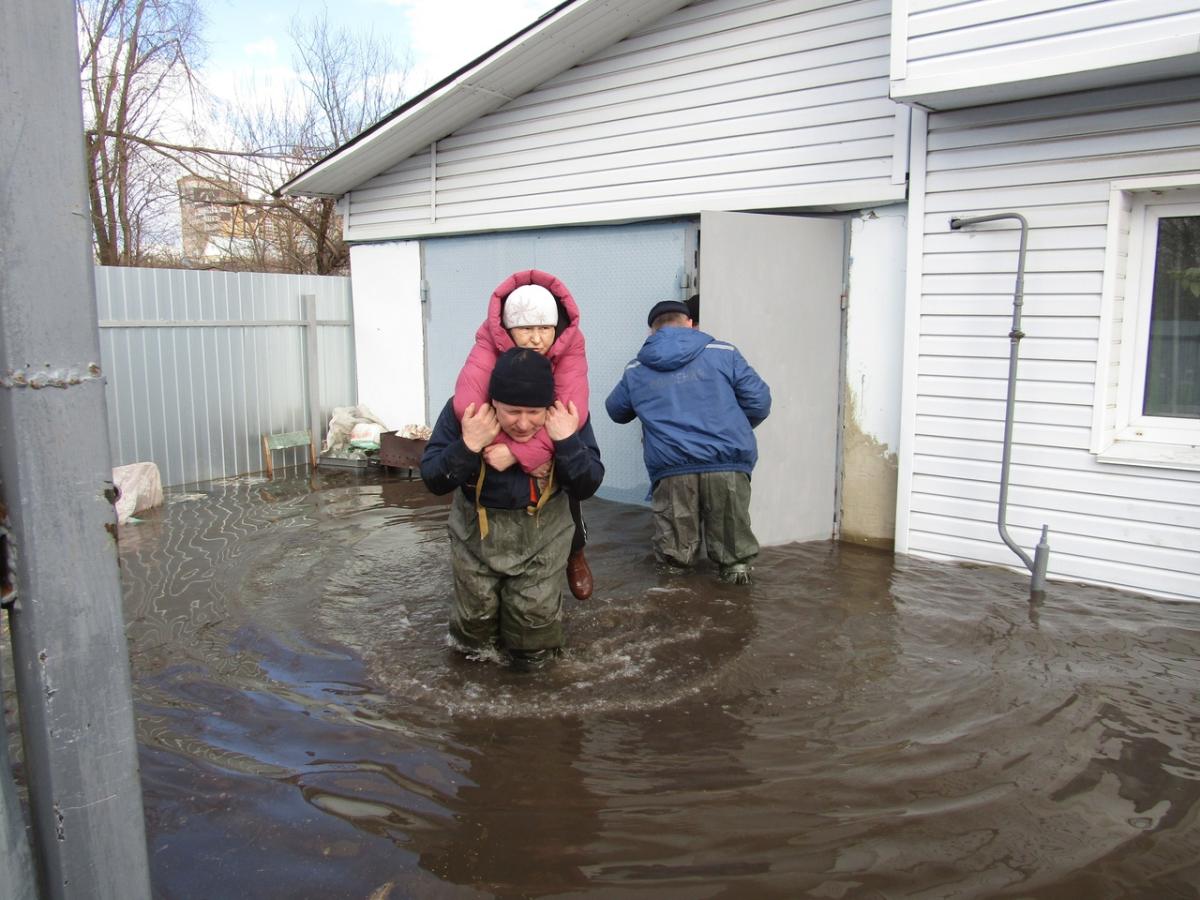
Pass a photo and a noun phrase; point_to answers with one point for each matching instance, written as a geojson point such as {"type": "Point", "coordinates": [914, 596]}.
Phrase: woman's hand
{"type": "Point", "coordinates": [499, 457]}
{"type": "Point", "coordinates": [562, 421]}
{"type": "Point", "coordinates": [479, 427]}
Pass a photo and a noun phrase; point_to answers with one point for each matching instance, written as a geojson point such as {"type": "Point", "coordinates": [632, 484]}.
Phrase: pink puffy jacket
{"type": "Point", "coordinates": [567, 355]}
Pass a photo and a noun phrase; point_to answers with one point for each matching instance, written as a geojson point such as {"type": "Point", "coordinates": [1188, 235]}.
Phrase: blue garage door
{"type": "Point", "coordinates": [615, 274]}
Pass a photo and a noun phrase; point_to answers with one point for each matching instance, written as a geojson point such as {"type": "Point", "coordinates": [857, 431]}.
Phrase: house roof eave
{"type": "Point", "coordinates": [561, 38]}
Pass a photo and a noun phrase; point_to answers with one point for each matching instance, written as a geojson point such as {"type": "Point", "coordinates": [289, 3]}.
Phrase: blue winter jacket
{"type": "Point", "coordinates": [697, 399]}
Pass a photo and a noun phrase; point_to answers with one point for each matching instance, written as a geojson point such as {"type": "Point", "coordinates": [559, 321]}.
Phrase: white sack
{"type": "Point", "coordinates": [342, 423]}
{"type": "Point", "coordinates": [139, 487]}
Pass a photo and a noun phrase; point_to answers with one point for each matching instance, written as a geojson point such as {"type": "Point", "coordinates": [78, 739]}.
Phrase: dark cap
{"type": "Point", "coordinates": [667, 306]}
{"type": "Point", "coordinates": [522, 378]}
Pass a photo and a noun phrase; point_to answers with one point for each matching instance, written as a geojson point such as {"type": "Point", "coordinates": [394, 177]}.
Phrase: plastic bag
{"type": "Point", "coordinates": [341, 425]}
{"type": "Point", "coordinates": [139, 487]}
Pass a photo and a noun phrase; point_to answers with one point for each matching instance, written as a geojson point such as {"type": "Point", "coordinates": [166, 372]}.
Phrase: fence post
{"type": "Point", "coordinates": [70, 657]}
{"type": "Point", "coordinates": [312, 372]}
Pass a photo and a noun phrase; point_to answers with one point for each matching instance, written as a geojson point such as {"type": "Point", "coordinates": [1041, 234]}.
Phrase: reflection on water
{"type": "Point", "coordinates": [852, 725]}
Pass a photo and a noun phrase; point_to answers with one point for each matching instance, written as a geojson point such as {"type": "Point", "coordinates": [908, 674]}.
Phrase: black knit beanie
{"type": "Point", "coordinates": [522, 378]}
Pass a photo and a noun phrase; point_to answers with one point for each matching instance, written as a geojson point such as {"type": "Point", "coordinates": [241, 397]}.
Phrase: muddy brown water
{"type": "Point", "coordinates": [852, 725]}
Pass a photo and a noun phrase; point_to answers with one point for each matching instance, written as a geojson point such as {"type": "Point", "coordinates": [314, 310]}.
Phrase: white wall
{"type": "Point", "coordinates": [875, 319]}
{"type": "Point", "coordinates": [389, 340]}
{"type": "Point", "coordinates": [948, 53]}
{"type": "Point", "coordinates": [721, 105]}
{"type": "Point", "coordinates": [874, 366]}
{"type": "Point", "coordinates": [1126, 525]}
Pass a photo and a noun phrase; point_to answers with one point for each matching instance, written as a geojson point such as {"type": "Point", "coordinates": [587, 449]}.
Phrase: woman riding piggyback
{"type": "Point", "coordinates": [534, 310]}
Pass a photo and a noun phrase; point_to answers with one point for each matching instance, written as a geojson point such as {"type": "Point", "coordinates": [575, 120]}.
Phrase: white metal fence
{"type": "Point", "coordinates": [201, 364]}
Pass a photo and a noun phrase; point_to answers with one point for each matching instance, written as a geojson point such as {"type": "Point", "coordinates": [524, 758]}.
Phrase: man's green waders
{"type": "Point", "coordinates": [713, 504]}
{"type": "Point", "coordinates": [508, 585]}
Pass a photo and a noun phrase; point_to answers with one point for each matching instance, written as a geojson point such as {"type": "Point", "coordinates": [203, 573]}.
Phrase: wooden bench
{"type": "Point", "coordinates": [273, 442]}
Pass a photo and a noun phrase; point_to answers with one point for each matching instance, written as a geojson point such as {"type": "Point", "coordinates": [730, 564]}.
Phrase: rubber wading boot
{"type": "Point", "coordinates": [531, 660]}
{"type": "Point", "coordinates": [579, 575]}
{"type": "Point", "coordinates": [738, 573]}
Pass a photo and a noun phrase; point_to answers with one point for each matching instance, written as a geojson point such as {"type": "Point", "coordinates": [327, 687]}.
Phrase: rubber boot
{"type": "Point", "coordinates": [531, 660]}
{"type": "Point", "coordinates": [738, 573]}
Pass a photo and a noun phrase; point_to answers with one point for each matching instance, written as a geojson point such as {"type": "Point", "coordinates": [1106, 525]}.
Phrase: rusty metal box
{"type": "Point", "coordinates": [400, 453]}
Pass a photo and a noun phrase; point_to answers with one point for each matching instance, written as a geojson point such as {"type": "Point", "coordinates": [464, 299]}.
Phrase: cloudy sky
{"type": "Point", "coordinates": [250, 37]}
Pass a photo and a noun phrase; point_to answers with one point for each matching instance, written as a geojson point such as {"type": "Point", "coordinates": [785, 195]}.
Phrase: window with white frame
{"type": "Point", "coordinates": [1148, 380]}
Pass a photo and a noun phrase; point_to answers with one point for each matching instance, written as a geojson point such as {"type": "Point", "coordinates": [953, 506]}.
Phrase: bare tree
{"type": "Point", "coordinates": [148, 174]}
{"type": "Point", "coordinates": [346, 81]}
{"type": "Point", "coordinates": [136, 59]}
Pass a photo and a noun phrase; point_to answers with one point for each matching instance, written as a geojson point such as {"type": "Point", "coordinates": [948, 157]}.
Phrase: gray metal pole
{"type": "Point", "coordinates": [69, 652]}
{"type": "Point", "coordinates": [1037, 565]}
{"type": "Point", "coordinates": [312, 370]}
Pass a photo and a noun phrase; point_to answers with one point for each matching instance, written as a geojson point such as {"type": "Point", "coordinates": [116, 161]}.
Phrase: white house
{"type": "Point", "coordinates": [1085, 118]}
{"type": "Point", "coordinates": [799, 161]}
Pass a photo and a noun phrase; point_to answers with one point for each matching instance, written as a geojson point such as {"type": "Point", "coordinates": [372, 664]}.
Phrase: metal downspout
{"type": "Point", "coordinates": [1037, 565]}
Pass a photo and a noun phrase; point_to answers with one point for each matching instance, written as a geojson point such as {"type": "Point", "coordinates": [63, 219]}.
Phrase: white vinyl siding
{"type": "Point", "coordinates": [1007, 49]}
{"type": "Point", "coordinates": [724, 104]}
{"type": "Point", "coordinates": [1053, 161]}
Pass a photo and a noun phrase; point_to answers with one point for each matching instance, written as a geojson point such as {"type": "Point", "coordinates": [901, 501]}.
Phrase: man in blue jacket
{"type": "Point", "coordinates": [698, 401]}
{"type": "Point", "coordinates": [510, 532]}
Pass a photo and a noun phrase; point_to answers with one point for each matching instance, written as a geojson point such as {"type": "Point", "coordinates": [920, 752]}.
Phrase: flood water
{"type": "Point", "coordinates": [853, 725]}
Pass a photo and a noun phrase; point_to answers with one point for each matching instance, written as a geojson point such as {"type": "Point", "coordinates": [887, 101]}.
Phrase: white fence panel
{"type": "Point", "coordinates": [201, 364]}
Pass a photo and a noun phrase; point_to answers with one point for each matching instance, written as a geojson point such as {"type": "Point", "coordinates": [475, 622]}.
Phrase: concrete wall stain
{"type": "Point", "coordinates": [869, 476]}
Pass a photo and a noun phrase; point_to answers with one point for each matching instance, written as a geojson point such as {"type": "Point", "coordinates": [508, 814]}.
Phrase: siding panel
{"type": "Point", "coordinates": [725, 104]}
{"type": "Point", "coordinates": [1054, 469]}
{"type": "Point", "coordinates": [1073, 531]}
{"type": "Point", "coordinates": [1128, 510]}
{"type": "Point", "coordinates": [658, 120]}
{"type": "Point", "coordinates": [976, 409]}
{"type": "Point", "coordinates": [986, 30]}
{"type": "Point", "coordinates": [1163, 582]}
{"type": "Point", "coordinates": [959, 15]}
{"type": "Point", "coordinates": [964, 52]}
{"type": "Point", "coordinates": [1128, 526]}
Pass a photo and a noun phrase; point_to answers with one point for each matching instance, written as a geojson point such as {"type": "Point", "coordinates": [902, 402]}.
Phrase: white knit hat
{"type": "Point", "coordinates": [530, 304]}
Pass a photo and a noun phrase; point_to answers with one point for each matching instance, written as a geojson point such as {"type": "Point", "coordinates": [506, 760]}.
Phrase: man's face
{"type": "Point", "coordinates": [520, 422]}
{"type": "Point", "coordinates": [533, 337]}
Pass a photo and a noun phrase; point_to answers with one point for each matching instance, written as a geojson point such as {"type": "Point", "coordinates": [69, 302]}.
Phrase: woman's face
{"type": "Point", "coordinates": [533, 337]}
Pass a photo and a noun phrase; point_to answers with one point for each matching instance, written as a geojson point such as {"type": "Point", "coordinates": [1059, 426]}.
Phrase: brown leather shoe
{"type": "Point", "coordinates": [579, 575]}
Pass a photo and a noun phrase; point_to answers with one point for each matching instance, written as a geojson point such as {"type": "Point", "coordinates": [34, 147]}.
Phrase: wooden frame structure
{"type": "Point", "coordinates": [273, 442]}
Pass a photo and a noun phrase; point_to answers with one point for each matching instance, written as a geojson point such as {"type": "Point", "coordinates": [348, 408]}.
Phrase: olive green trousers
{"type": "Point", "coordinates": [714, 506]}
{"type": "Point", "coordinates": [508, 586]}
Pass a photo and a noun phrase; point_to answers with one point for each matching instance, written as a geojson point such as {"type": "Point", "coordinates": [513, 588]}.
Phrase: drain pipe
{"type": "Point", "coordinates": [1037, 565]}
